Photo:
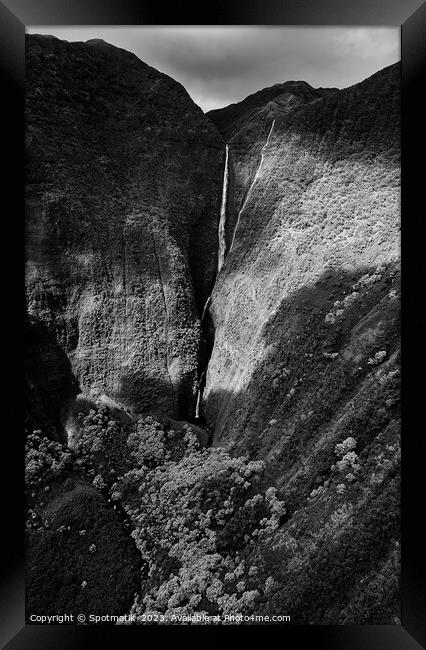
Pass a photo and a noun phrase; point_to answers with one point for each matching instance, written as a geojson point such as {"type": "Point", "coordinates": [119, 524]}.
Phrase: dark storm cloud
{"type": "Point", "coordinates": [221, 65]}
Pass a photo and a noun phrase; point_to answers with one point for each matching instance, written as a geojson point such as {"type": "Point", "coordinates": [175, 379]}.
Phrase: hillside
{"type": "Point", "coordinates": [306, 347]}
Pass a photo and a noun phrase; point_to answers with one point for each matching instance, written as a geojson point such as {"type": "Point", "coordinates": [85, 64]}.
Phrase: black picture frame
{"type": "Point", "coordinates": [411, 16]}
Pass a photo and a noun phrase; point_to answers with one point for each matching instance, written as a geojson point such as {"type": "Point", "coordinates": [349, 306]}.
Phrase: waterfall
{"type": "Point", "coordinates": [205, 308]}
{"type": "Point", "coordinates": [251, 186]}
{"type": "Point", "coordinates": [222, 220]}
{"type": "Point", "coordinates": [199, 393]}
{"type": "Point", "coordinates": [197, 408]}
{"type": "Point", "coordinates": [221, 230]}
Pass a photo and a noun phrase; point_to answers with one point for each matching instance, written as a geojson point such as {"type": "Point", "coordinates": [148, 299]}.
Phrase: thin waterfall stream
{"type": "Point", "coordinates": [205, 308]}
{"type": "Point", "coordinates": [220, 261]}
{"type": "Point", "coordinates": [252, 184]}
{"type": "Point", "coordinates": [206, 345]}
{"type": "Point", "coordinates": [222, 220]}
{"type": "Point", "coordinates": [199, 393]}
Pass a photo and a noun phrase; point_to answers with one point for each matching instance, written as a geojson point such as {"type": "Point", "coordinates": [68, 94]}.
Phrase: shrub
{"type": "Point", "coordinates": [344, 447]}
{"type": "Point", "coordinates": [45, 460]}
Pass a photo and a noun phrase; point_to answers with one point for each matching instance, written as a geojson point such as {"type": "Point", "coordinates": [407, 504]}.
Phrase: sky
{"type": "Point", "coordinates": [222, 65]}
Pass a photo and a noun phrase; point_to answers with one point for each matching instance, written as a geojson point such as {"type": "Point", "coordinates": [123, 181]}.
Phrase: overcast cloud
{"type": "Point", "coordinates": [222, 65]}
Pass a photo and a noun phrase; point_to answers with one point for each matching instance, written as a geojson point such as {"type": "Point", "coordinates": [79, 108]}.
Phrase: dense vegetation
{"type": "Point", "coordinates": [195, 514]}
{"type": "Point", "coordinates": [210, 535]}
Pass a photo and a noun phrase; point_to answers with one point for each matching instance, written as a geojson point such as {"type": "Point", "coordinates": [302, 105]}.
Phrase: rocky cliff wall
{"type": "Point", "coordinates": [304, 372]}
{"type": "Point", "coordinates": [246, 125]}
{"type": "Point", "coordinates": [323, 213]}
{"type": "Point", "coordinates": [123, 177]}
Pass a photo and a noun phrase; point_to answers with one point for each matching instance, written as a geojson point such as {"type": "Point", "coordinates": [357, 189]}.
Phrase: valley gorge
{"type": "Point", "coordinates": [212, 350]}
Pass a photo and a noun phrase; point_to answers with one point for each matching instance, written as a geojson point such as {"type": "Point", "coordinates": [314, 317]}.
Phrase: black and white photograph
{"type": "Point", "coordinates": [212, 354]}
{"type": "Point", "coordinates": [212, 249]}
{"type": "Point", "coordinates": [219, 266]}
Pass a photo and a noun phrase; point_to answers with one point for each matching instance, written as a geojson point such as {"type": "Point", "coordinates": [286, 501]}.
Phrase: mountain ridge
{"type": "Point", "coordinates": [228, 118]}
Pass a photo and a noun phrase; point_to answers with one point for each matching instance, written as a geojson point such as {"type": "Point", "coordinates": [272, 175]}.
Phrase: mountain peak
{"type": "Point", "coordinates": [286, 96]}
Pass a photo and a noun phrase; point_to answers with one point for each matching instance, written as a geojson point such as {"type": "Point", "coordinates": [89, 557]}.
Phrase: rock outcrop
{"type": "Point", "coordinates": [123, 202]}
{"type": "Point", "coordinates": [50, 385]}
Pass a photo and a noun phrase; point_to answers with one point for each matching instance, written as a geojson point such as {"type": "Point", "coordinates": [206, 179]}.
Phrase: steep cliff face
{"type": "Point", "coordinates": [306, 349]}
{"type": "Point", "coordinates": [322, 213]}
{"type": "Point", "coordinates": [123, 177]}
{"type": "Point", "coordinates": [246, 127]}
{"type": "Point", "coordinates": [50, 385]}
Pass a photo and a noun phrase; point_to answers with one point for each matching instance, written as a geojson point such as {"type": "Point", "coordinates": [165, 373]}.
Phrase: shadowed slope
{"type": "Point", "coordinates": [123, 175]}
